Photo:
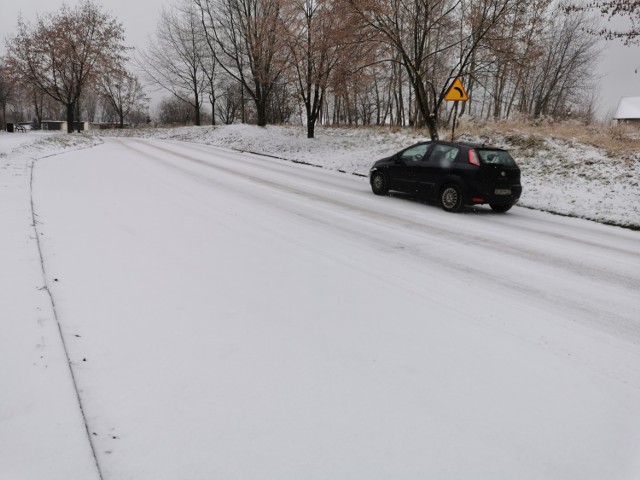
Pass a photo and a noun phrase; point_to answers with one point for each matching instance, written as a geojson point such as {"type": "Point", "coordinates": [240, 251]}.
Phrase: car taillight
{"type": "Point", "coordinates": [473, 158]}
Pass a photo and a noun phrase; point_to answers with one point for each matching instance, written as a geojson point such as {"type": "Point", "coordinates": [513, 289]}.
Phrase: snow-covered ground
{"type": "Point", "coordinates": [224, 315]}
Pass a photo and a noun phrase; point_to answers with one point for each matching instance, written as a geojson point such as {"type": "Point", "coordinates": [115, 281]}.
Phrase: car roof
{"type": "Point", "coordinates": [481, 146]}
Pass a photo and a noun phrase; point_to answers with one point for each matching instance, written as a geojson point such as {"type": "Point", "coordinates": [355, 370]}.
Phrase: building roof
{"type": "Point", "coordinates": [628, 108]}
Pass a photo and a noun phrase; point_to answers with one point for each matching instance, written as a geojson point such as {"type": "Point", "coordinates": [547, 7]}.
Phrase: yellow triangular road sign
{"type": "Point", "coordinates": [456, 92]}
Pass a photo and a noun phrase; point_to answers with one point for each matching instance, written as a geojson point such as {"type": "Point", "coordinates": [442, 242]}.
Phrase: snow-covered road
{"type": "Point", "coordinates": [235, 316]}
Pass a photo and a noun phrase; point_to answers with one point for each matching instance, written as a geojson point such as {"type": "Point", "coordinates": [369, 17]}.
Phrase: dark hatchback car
{"type": "Point", "coordinates": [454, 174]}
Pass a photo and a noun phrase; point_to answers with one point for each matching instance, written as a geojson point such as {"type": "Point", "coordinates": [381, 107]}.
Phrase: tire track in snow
{"type": "Point", "coordinates": [413, 241]}
{"type": "Point", "coordinates": [579, 233]}
{"type": "Point", "coordinates": [490, 244]}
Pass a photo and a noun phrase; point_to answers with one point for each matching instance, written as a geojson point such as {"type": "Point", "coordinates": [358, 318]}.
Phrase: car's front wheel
{"type": "Point", "coordinates": [500, 208]}
{"type": "Point", "coordinates": [379, 184]}
{"type": "Point", "coordinates": [451, 198]}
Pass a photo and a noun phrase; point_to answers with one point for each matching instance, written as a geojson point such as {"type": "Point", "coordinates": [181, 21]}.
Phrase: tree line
{"type": "Point", "coordinates": [339, 62]}
{"type": "Point", "coordinates": [70, 61]}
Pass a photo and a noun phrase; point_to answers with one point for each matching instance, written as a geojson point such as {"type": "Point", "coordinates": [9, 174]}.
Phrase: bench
{"type": "Point", "coordinates": [20, 128]}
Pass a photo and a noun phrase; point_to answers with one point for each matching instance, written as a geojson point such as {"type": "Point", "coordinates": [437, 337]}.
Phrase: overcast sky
{"type": "Point", "coordinates": [139, 18]}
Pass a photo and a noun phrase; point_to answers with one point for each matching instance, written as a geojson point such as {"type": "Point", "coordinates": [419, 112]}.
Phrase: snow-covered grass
{"type": "Point", "coordinates": [559, 174]}
{"type": "Point", "coordinates": [33, 144]}
{"type": "Point", "coordinates": [566, 172]}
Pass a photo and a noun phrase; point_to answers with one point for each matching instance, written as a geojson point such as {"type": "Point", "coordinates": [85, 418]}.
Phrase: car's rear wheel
{"type": "Point", "coordinates": [500, 208]}
{"type": "Point", "coordinates": [379, 184]}
{"type": "Point", "coordinates": [451, 198]}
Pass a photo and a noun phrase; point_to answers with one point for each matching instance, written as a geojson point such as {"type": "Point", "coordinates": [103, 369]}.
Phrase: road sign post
{"type": "Point", "coordinates": [455, 118]}
{"type": "Point", "coordinates": [456, 93]}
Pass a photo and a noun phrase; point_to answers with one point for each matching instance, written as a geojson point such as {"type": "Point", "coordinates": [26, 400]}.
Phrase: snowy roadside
{"type": "Point", "coordinates": [558, 176]}
{"type": "Point", "coordinates": [40, 421]}
{"type": "Point", "coordinates": [569, 178]}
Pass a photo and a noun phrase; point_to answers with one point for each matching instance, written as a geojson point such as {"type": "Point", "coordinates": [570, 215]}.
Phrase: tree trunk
{"type": "Point", "coordinates": [311, 121]}
{"type": "Point", "coordinates": [313, 108]}
{"type": "Point", "coordinates": [77, 115]}
{"type": "Point", "coordinates": [311, 128]}
{"type": "Point", "coordinates": [197, 110]}
{"type": "Point", "coordinates": [70, 108]}
{"type": "Point", "coordinates": [261, 110]}
{"type": "Point", "coordinates": [243, 117]}
{"type": "Point", "coordinates": [38, 107]}
{"type": "Point", "coordinates": [432, 126]}
{"type": "Point", "coordinates": [212, 99]}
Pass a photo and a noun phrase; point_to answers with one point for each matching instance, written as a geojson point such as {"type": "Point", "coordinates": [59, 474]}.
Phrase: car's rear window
{"type": "Point", "coordinates": [496, 157]}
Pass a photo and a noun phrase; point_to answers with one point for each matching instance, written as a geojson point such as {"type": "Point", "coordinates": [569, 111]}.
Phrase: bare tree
{"type": "Point", "coordinates": [229, 103]}
{"type": "Point", "coordinates": [173, 111]}
{"type": "Point", "coordinates": [500, 68]}
{"type": "Point", "coordinates": [90, 102]}
{"type": "Point", "coordinates": [174, 57]}
{"type": "Point", "coordinates": [20, 105]}
{"type": "Point", "coordinates": [625, 12]}
{"type": "Point", "coordinates": [123, 94]}
{"type": "Point", "coordinates": [571, 54]}
{"type": "Point", "coordinates": [245, 38]}
{"type": "Point", "coordinates": [66, 51]}
{"type": "Point", "coordinates": [433, 40]}
{"type": "Point", "coordinates": [6, 89]}
{"type": "Point", "coordinates": [315, 37]}
{"type": "Point", "coordinates": [209, 65]}
{"type": "Point", "coordinates": [415, 31]}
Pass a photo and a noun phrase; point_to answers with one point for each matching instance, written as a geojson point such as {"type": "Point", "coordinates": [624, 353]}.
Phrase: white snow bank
{"type": "Point", "coordinates": [42, 434]}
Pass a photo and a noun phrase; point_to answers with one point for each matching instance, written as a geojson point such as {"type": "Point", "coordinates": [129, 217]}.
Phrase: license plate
{"type": "Point", "coordinates": [503, 191]}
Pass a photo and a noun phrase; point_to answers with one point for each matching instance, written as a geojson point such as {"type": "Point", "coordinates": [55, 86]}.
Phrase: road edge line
{"type": "Point", "coordinates": [57, 320]}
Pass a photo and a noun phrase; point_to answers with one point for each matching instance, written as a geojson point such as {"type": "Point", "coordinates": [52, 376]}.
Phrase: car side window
{"type": "Point", "coordinates": [444, 154]}
{"type": "Point", "coordinates": [415, 154]}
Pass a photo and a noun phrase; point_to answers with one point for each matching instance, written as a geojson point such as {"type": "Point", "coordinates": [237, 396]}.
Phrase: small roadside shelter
{"type": "Point", "coordinates": [628, 111]}
{"type": "Point", "coordinates": [62, 125]}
